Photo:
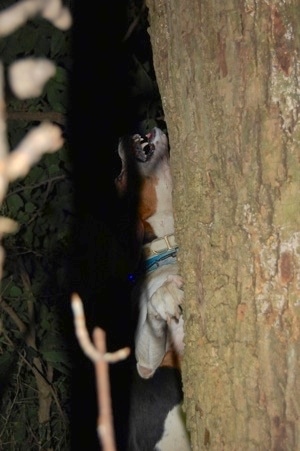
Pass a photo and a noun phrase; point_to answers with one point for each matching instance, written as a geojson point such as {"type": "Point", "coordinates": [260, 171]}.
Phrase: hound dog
{"type": "Point", "coordinates": [159, 333]}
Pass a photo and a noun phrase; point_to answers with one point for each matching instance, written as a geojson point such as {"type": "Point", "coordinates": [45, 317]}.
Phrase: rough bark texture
{"type": "Point", "coordinates": [228, 74]}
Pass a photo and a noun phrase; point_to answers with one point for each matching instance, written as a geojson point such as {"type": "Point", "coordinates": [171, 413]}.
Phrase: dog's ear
{"type": "Point", "coordinates": [149, 234]}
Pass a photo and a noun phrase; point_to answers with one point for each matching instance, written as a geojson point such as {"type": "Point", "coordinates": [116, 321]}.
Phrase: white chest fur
{"type": "Point", "coordinates": [162, 221]}
{"type": "Point", "coordinates": [175, 437]}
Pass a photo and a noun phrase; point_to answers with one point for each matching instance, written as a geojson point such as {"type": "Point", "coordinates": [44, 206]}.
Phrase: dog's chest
{"type": "Point", "coordinates": [155, 204]}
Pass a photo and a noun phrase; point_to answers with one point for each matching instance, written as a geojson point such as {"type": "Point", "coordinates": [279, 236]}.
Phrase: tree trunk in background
{"type": "Point", "coordinates": [228, 73]}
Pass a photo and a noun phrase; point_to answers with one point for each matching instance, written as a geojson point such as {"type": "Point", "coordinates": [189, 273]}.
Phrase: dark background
{"type": "Point", "coordinates": [75, 233]}
{"type": "Point", "coordinates": [103, 107]}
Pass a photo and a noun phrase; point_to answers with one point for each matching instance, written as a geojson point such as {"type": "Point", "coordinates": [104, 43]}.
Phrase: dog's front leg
{"type": "Point", "coordinates": [151, 346]}
{"type": "Point", "coordinates": [162, 309]}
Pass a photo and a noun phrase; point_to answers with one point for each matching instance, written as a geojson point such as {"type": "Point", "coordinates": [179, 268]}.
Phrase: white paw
{"type": "Point", "coordinates": [165, 302]}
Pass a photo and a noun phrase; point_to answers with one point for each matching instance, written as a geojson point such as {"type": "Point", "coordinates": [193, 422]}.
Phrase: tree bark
{"type": "Point", "coordinates": [228, 74]}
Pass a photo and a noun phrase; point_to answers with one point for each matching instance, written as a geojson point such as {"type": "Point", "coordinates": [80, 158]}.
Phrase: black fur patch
{"type": "Point", "coordinates": [151, 401]}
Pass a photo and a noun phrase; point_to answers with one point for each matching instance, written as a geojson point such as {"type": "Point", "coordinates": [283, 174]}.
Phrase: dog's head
{"type": "Point", "coordinates": [144, 152]}
{"type": "Point", "coordinates": [145, 181]}
{"type": "Point", "coordinates": [150, 148]}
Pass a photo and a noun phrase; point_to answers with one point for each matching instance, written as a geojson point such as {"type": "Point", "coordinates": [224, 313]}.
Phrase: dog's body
{"type": "Point", "coordinates": [160, 321]}
{"type": "Point", "coordinates": [160, 324]}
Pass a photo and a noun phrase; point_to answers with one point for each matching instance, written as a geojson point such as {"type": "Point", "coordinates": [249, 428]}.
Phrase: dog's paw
{"type": "Point", "coordinates": [165, 303]}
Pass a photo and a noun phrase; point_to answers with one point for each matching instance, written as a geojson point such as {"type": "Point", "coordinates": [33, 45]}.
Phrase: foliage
{"type": "Point", "coordinates": [34, 286]}
{"type": "Point", "coordinates": [144, 91]}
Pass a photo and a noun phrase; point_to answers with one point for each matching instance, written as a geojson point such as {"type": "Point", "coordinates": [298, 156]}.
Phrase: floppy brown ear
{"type": "Point", "coordinates": [144, 233]}
{"type": "Point", "coordinates": [149, 234]}
{"type": "Point", "coordinates": [172, 359]}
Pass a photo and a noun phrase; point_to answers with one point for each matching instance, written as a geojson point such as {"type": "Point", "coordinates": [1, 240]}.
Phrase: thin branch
{"type": "Point", "coordinates": [105, 418]}
{"type": "Point", "coordinates": [36, 116]}
{"type": "Point", "coordinates": [45, 138]}
{"type": "Point", "coordinates": [100, 358]}
{"type": "Point", "coordinates": [43, 385]}
{"type": "Point", "coordinates": [3, 139]}
{"type": "Point", "coordinates": [36, 185]}
{"type": "Point", "coordinates": [47, 378]}
{"type": "Point", "coordinates": [84, 340]}
{"type": "Point", "coordinates": [134, 23]}
{"type": "Point", "coordinates": [28, 76]}
{"type": "Point", "coordinates": [13, 316]}
{"type": "Point", "coordinates": [18, 14]}
{"type": "Point", "coordinates": [31, 336]}
{"type": "Point", "coordinates": [8, 225]}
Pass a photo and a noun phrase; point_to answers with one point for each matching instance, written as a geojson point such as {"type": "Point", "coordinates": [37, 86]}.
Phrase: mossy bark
{"type": "Point", "coordinates": [229, 79]}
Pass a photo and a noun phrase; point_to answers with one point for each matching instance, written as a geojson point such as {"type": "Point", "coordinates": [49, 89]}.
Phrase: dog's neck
{"type": "Point", "coordinates": [155, 206]}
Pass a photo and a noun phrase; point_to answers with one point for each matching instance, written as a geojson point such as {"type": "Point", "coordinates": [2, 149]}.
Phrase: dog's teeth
{"type": "Point", "coordinates": [136, 138]}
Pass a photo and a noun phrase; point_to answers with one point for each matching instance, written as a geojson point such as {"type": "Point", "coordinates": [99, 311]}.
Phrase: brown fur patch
{"type": "Point", "coordinates": [171, 359]}
{"type": "Point", "coordinates": [147, 205]}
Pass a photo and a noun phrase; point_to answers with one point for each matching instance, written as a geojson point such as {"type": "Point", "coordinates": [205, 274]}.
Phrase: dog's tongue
{"type": "Point", "coordinates": [151, 135]}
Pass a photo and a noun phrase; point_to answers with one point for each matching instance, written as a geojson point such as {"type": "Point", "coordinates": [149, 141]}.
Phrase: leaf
{"type": "Point", "coordinates": [15, 291]}
{"type": "Point", "coordinates": [64, 154]}
{"type": "Point", "coordinates": [57, 358]}
{"type": "Point", "coordinates": [53, 356]}
{"type": "Point", "coordinates": [14, 203]}
{"type": "Point", "coordinates": [27, 38]}
{"type": "Point", "coordinates": [30, 207]}
{"type": "Point", "coordinates": [37, 242]}
{"type": "Point", "coordinates": [57, 42]}
{"type": "Point", "coordinates": [31, 353]}
{"type": "Point", "coordinates": [57, 95]}
{"type": "Point", "coordinates": [61, 76]}
{"type": "Point", "coordinates": [53, 169]}
{"type": "Point", "coordinates": [35, 174]}
{"type": "Point", "coordinates": [64, 369]}
{"type": "Point", "coordinates": [20, 431]}
{"type": "Point", "coordinates": [28, 236]}
{"type": "Point", "coordinates": [148, 124]}
{"type": "Point", "coordinates": [6, 361]}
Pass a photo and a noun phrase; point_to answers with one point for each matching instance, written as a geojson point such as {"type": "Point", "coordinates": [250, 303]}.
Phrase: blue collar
{"type": "Point", "coordinates": [154, 262]}
{"type": "Point", "coordinates": [161, 259]}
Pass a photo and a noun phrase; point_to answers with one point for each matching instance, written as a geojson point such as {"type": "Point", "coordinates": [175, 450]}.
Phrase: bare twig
{"type": "Point", "coordinates": [2, 258]}
{"type": "Point", "coordinates": [14, 400]}
{"type": "Point", "coordinates": [84, 340]}
{"type": "Point", "coordinates": [47, 378]}
{"type": "Point", "coordinates": [45, 138]}
{"type": "Point", "coordinates": [3, 139]}
{"type": "Point", "coordinates": [105, 419]}
{"type": "Point", "coordinates": [28, 76]}
{"type": "Point", "coordinates": [134, 23]}
{"type": "Point", "coordinates": [100, 358]}
{"type": "Point", "coordinates": [8, 225]}
{"type": "Point", "coordinates": [13, 316]}
{"type": "Point", "coordinates": [36, 116]}
{"type": "Point", "coordinates": [18, 14]}
{"type": "Point", "coordinates": [57, 178]}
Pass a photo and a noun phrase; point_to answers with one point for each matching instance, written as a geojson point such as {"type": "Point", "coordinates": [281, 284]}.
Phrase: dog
{"type": "Point", "coordinates": [159, 332]}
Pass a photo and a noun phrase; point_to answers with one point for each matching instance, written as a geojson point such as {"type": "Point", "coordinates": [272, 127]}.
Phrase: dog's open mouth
{"type": "Point", "coordinates": [143, 147]}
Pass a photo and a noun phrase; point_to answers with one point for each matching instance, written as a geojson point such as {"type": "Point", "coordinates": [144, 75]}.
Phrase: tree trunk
{"type": "Point", "coordinates": [229, 79]}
